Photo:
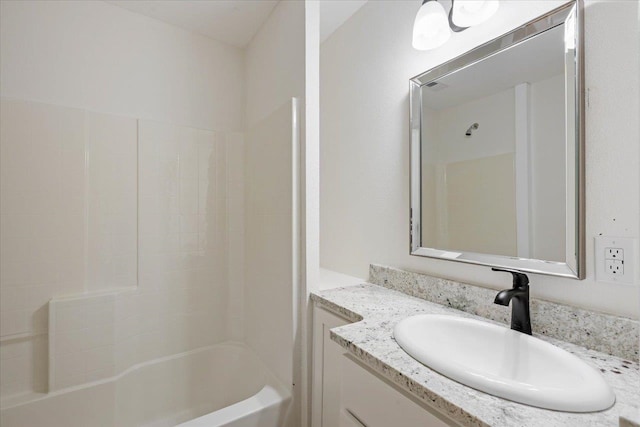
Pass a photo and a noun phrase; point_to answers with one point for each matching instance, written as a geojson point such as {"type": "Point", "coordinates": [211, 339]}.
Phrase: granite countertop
{"type": "Point", "coordinates": [376, 310]}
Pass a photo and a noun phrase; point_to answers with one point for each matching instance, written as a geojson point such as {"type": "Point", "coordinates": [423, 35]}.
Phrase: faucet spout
{"type": "Point", "coordinates": [518, 297]}
{"type": "Point", "coordinates": [505, 297]}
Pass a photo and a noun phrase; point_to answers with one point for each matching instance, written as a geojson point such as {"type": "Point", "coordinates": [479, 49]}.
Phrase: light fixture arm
{"type": "Point", "coordinates": [453, 26]}
{"type": "Point", "coordinates": [432, 26]}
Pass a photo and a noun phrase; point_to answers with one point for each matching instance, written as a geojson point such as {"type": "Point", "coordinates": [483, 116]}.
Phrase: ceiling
{"type": "Point", "coordinates": [533, 60]}
{"type": "Point", "coordinates": [233, 21]}
{"type": "Point", "coordinates": [334, 13]}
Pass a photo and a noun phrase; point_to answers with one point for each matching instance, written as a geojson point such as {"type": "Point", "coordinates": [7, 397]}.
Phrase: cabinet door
{"type": "Point", "coordinates": [371, 401]}
{"type": "Point", "coordinates": [347, 419]}
{"type": "Point", "coordinates": [325, 407]}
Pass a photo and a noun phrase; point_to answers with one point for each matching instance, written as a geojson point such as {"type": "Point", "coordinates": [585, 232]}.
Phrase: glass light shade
{"type": "Point", "coordinates": [431, 27]}
{"type": "Point", "coordinates": [467, 13]}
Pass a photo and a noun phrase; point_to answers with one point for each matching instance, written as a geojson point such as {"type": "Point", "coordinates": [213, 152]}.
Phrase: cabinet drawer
{"type": "Point", "coordinates": [347, 419]}
{"type": "Point", "coordinates": [368, 400]}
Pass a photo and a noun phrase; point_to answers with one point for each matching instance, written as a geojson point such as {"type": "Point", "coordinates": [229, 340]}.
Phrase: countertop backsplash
{"type": "Point", "coordinates": [617, 336]}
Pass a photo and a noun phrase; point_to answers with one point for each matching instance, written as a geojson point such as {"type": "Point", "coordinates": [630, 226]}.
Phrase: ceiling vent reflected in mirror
{"type": "Point", "coordinates": [436, 87]}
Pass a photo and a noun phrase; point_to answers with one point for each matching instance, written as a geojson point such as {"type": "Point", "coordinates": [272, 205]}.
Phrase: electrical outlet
{"type": "Point", "coordinates": [615, 259]}
{"type": "Point", "coordinates": [614, 267]}
{"type": "Point", "coordinates": [614, 253]}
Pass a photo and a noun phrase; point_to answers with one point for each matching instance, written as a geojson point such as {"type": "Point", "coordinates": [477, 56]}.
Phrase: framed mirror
{"type": "Point", "coordinates": [497, 159]}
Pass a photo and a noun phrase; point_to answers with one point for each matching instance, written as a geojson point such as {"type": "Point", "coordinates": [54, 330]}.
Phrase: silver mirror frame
{"type": "Point", "coordinates": [574, 267]}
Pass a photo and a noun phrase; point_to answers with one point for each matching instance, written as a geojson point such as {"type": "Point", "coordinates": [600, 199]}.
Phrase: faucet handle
{"type": "Point", "coordinates": [520, 280]}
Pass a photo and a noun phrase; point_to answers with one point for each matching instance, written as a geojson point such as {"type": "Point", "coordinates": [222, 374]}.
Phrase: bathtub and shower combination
{"type": "Point", "coordinates": [220, 385]}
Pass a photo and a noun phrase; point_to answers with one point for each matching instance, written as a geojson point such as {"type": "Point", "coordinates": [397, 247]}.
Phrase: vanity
{"type": "Point", "coordinates": [362, 377]}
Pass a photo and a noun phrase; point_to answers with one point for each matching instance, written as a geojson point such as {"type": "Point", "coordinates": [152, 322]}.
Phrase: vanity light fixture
{"type": "Point", "coordinates": [432, 27]}
{"type": "Point", "coordinates": [468, 13]}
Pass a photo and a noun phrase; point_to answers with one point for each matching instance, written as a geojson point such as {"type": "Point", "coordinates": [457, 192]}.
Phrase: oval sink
{"type": "Point", "coordinates": [504, 363]}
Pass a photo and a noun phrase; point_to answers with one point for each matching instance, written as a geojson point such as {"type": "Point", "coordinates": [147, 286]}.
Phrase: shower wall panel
{"type": "Point", "coordinates": [70, 195]}
{"type": "Point", "coordinates": [123, 225]}
{"type": "Point", "coordinates": [270, 240]}
{"type": "Point", "coordinates": [181, 302]}
{"type": "Point", "coordinates": [111, 154]}
{"type": "Point", "coordinates": [42, 202]}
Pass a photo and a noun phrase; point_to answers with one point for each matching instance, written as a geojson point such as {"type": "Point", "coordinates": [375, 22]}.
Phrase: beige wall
{"type": "Point", "coordinates": [365, 68]}
{"type": "Point", "coordinates": [481, 205]}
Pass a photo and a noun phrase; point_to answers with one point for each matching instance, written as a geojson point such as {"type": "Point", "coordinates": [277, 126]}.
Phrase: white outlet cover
{"type": "Point", "coordinates": [629, 246]}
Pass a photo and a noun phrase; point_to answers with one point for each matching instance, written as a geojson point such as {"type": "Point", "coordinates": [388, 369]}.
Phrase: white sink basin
{"type": "Point", "coordinates": [505, 363]}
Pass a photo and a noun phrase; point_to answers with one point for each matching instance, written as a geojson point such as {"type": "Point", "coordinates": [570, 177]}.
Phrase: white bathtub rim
{"type": "Point", "coordinates": [271, 395]}
{"type": "Point", "coordinates": [20, 400]}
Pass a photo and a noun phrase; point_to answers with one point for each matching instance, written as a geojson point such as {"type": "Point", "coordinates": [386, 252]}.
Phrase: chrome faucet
{"type": "Point", "coordinates": [518, 296]}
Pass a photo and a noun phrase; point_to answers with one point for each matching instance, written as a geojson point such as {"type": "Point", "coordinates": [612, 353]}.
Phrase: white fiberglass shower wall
{"type": "Point", "coordinates": [124, 202]}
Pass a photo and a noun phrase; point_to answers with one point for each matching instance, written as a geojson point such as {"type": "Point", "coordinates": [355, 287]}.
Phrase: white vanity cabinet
{"type": "Point", "coordinates": [327, 357]}
{"type": "Point", "coordinates": [348, 394]}
{"type": "Point", "coordinates": [368, 400]}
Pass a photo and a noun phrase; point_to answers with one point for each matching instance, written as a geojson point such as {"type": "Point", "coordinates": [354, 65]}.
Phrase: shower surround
{"type": "Point", "coordinates": [127, 216]}
{"type": "Point", "coordinates": [126, 143]}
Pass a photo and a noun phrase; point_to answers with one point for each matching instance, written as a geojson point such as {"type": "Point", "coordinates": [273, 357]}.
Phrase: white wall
{"type": "Point", "coordinates": [275, 62]}
{"type": "Point", "coordinates": [494, 136]}
{"type": "Point", "coordinates": [547, 169]}
{"type": "Point", "coordinates": [365, 68]}
{"type": "Point", "coordinates": [74, 53]}
{"type": "Point", "coordinates": [431, 213]}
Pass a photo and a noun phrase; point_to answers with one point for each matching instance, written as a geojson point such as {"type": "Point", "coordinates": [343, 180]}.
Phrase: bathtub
{"type": "Point", "coordinates": [221, 385]}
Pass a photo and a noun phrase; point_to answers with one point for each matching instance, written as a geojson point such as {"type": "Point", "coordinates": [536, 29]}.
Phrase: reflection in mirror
{"type": "Point", "coordinates": [497, 147]}
{"type": "Point", "coordinates": [472, 199]}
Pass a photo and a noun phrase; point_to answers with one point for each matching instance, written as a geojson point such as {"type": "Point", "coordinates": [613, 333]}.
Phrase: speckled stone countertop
{"type": "Point", "coordinates": [376, 310]}
{"type": "Point", "coordinates": [608, 334]}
